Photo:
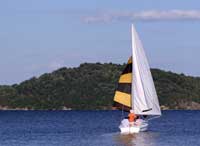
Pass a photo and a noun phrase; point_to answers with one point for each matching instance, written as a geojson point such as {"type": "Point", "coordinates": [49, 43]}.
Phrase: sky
{"type": "Point", "coordinates": [37, 36]}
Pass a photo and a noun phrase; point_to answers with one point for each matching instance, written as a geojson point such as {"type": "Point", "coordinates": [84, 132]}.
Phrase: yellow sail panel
{"type": "Point", "coordinates": [130, 60]}
{"type": "Point", "coordinates": [123, 98]}
{"type": "Point", "coordinates": [125, 78]}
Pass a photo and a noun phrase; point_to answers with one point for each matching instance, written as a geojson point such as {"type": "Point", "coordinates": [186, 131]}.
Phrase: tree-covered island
{"type": "Point", "coordinates": [92, 86]}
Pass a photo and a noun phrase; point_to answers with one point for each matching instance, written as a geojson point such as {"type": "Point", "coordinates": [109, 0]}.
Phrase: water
{"type": "Point", "coordinates": [95, 128]}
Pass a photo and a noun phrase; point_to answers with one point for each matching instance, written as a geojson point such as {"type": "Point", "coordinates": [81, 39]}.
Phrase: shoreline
{"type": "Point", "coordinates": [103, 108]}
{"type": "Point", "coordinates": [89, 110]}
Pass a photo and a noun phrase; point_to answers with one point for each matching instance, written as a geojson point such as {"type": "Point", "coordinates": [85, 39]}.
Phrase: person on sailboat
{"type": "Point", "coordinates": [131, 118]}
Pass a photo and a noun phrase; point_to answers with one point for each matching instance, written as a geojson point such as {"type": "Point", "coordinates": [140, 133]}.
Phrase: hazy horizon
{"type": "Point", "coordinates": [41, 36]}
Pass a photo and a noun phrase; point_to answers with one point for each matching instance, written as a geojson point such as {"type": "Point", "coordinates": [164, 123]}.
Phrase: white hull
{"type": "Point", "coordinates": [139, 126]}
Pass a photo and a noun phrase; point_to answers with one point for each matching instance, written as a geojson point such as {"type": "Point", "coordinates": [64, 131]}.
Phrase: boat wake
{"type": "Point", "coordinates": [137, 139]}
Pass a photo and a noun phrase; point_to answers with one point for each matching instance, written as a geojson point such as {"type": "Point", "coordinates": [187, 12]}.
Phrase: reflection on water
{"type": "Point", "coordinates": [139, 139]}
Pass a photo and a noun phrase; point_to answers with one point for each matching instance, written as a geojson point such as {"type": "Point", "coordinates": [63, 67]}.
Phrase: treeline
{"type": "Point", "coordinates": [92, 86]}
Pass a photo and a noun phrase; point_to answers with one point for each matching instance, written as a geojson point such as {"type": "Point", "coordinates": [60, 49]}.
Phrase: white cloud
{"type": "Point", "coordinates": [150, 15]}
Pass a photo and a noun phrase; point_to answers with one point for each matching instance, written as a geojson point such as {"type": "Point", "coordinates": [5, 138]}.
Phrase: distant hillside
{"type": "Point", "coordinates": [92, 86]}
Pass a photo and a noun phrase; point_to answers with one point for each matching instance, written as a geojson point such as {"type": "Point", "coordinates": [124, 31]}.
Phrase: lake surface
{"type": "Point", "coordinates": [95, 128]}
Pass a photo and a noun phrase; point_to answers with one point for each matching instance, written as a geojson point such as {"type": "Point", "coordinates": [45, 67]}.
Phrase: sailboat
{"type": "Point", "coordinates": [136, 90]}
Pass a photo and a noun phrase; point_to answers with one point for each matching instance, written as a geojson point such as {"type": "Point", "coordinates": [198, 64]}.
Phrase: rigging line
{"type": "Point", "coordinates": [153, 118]}
{"type": "Point", "coordinates": [122, 114]}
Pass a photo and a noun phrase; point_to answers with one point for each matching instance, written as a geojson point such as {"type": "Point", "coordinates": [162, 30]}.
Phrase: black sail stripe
{"type": "Point", "coordinates": [128, 69]}
{"type": "Point", "coordinates": [121, 106]}
{"type": "Point", "coordinates": [124, 87]}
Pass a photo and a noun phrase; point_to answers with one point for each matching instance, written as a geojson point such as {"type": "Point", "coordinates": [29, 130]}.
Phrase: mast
{"type": "Point", "coordinates": [132, 86]}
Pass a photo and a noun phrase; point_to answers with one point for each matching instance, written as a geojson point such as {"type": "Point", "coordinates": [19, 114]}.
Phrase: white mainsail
{"type": "Point", "coordinates": [144, 96]}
